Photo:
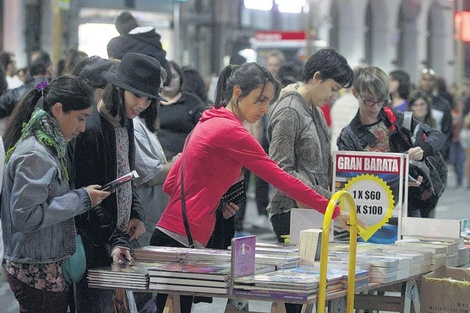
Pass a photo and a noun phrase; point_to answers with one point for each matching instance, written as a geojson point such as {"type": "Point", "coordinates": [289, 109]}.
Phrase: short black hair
{"type": "Point", "coordinates": [40, 65]}
{"type": "Point", "coordinates": [331, 65]}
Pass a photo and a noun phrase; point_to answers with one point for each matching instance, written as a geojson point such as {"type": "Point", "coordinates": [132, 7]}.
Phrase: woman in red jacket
{"type": "Point", "coordinates": [213, 156]}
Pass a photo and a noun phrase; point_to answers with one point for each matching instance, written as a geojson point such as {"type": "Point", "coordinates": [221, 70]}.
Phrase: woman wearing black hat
{"type": "Point", "coordinates": [104, 152]}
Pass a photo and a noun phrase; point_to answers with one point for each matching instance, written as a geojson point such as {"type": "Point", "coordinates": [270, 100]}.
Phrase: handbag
{"type": "Point", "coordinates": [75, 266]}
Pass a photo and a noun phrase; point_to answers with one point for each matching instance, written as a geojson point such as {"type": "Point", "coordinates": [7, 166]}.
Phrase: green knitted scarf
{"type": "Point", "coordinates": [47, 131]}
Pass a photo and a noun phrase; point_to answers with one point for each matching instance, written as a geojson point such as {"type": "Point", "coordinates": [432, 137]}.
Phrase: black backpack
{"type": "Point", "coordinates": [433, 169]}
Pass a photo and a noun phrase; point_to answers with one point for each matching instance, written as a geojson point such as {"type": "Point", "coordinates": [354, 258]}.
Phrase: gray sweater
{"type": "Point", "coordinates": [300, 144]}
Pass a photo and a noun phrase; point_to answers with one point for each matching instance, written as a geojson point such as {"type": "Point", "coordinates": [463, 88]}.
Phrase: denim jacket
{"type": "Point", "coordinates": [38, 207]}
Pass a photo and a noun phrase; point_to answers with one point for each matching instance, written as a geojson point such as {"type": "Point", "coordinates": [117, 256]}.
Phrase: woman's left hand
{"type": "Point", "coordinates": [121, 255]}
{"type": "Point", "coordinates": [135, 229]}
{"type": "Point", "coordinates": [229, 210]}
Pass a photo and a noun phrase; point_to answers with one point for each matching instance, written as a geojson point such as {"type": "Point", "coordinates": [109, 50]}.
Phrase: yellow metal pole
{"type": "Point", "coordinates": [321, 302]}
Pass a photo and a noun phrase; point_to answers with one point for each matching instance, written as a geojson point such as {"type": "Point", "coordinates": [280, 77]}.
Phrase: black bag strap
{"type": "Point", "coordinates": [183, 201]}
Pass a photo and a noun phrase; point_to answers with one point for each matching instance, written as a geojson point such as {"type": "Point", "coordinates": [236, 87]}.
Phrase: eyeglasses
{"type": "Point", "coordinates": [370, 102]}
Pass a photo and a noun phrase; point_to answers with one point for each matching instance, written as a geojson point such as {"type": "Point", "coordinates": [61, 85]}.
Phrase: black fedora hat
{"type": "Point", "coordinates": [137, 73]}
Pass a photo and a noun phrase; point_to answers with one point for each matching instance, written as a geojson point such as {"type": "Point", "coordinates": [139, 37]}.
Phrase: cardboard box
{"type": "Point", "coordinates": [446, 289]}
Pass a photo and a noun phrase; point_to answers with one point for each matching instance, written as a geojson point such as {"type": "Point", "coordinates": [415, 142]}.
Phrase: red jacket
{"type": "Point", "coordinates": [215, 152]}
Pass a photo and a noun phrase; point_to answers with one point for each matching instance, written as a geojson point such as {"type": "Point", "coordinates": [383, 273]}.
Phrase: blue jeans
{"type": "Point", "coordinates": [33, 300]}
{"type": "Point", "coordinates": [457, 159]}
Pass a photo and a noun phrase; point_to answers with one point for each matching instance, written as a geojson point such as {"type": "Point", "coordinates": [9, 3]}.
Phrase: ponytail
{"type": "Point", "coordinates": [20, 115]}
{"type": "Point", "coordinates": [223, 95]}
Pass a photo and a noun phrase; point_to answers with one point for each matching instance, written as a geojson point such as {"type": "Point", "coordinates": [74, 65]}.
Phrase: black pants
{"type": "Point", "coordinates": [159, 238]}
{"type": "Point", "coordinates": [261, 197]}
{"type": "Point", "coordinates": [281, 225]}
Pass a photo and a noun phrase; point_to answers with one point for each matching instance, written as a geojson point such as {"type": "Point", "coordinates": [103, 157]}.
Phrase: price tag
{"type": "Point", "coordinates": [374, 202]}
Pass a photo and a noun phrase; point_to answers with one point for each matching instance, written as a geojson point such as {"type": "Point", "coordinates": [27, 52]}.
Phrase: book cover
{"type": "Point", "coordinates": [111, 186]}
{"type": "Point", "coordinates": [243, 256]}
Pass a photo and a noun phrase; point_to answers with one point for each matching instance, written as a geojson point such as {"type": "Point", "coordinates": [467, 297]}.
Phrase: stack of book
{"type": "Point", "coordinates": [161, 253]}
{"type": "Point", "coordinates": [438, 251]}
{"type": "Point", "coordinates": [296, 283]}
{"type": "Point", "coordinates": [190, 276]}
{"type": "Point", "coordinates": [123, 276]}
{"type": "Point", "coordinates": [416, 258]}
{"type": "Point", "coordinates": [281, 258]}
{"type": "Point", "coordinates": [380, 269]}
{"type": "Point", "coordinates": [195, 276]}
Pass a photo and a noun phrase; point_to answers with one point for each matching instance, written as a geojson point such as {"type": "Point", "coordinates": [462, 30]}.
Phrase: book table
{"type": "Point", "coordinates": [336, 300]}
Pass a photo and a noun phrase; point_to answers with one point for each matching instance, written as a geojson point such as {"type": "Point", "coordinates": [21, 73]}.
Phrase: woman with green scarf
{"type": "Point", "coordinates": [38, 207]}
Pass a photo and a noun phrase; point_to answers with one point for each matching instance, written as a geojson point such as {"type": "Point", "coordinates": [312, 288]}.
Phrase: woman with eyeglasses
{"type": "Point", "coordinates": [379, 128]}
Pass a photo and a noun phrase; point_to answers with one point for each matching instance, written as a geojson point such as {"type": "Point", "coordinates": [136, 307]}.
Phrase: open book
{"type": "Point", "coordinates": [111, 186]}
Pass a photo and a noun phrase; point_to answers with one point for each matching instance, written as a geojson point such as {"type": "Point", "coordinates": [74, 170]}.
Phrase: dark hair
{"type": "Point", "coordinates": [3, 80]}
{"type": "Point", "coordinates": [178, 70]}
{"type": "Point", "coordinates": [91, 68]}
{"type": "Point", "coordinates": [5, 59]}
{"type": "Point", "coordinates": [331, 65]}
{"type": "Point", "coordinates": [40, 65]}
{"type": "Point", "coordinates": [288, 73]}
{"type": "Point", "coordinates": [113, 99]}
{"type": "Point", "coordinates": [404, 83]}
{"type": "Point", "coordinates": [248, 76]}
{"type": "Point", "coordinates": [150, 114]}
{"type": "Point", "coordinates": [194, 83]}
{"type": "Point", "coordinates": [72, 57]}
{"type": "Point", "coordinates": [428, 119]}
{"type": "Point", "coordinates": [71, 91]}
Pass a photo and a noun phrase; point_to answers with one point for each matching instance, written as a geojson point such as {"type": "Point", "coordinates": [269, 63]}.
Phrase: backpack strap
{"type": "Point", "coordinates": [408, 117]}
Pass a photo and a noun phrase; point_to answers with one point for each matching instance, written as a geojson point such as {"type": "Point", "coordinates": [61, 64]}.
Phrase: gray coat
{"type": "Point", "coordinates": [38, 207]}
{"type": "Point", "coordinates": [300, 144]}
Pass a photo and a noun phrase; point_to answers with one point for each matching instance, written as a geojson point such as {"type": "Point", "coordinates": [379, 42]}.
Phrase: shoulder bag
{"type": "Point", "coordinates": [75, 266]}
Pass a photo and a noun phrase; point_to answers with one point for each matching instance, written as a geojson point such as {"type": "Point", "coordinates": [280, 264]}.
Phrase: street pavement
{"type": "Point", "coordinates": [453, 204]}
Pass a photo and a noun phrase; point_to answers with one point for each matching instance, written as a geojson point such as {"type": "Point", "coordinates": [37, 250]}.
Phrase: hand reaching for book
{"type": "Point", "coordinates": [343, 221]}
{"type": "Point", "coordinates": [121, 255]}
{"type": "Point", "coordinates": [96, 195]}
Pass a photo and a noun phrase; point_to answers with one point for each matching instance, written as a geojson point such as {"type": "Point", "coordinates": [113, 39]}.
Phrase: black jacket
{"type": "Point", "coordinates": [94, 160]}
{"type": "Point", "coordinates": [356, 137]}
{"type": "Point", "coordinates": [10, 98]}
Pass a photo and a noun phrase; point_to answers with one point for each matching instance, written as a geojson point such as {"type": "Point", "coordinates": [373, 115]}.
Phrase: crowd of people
{"type": "Point", "coordinates": [68, 132]}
